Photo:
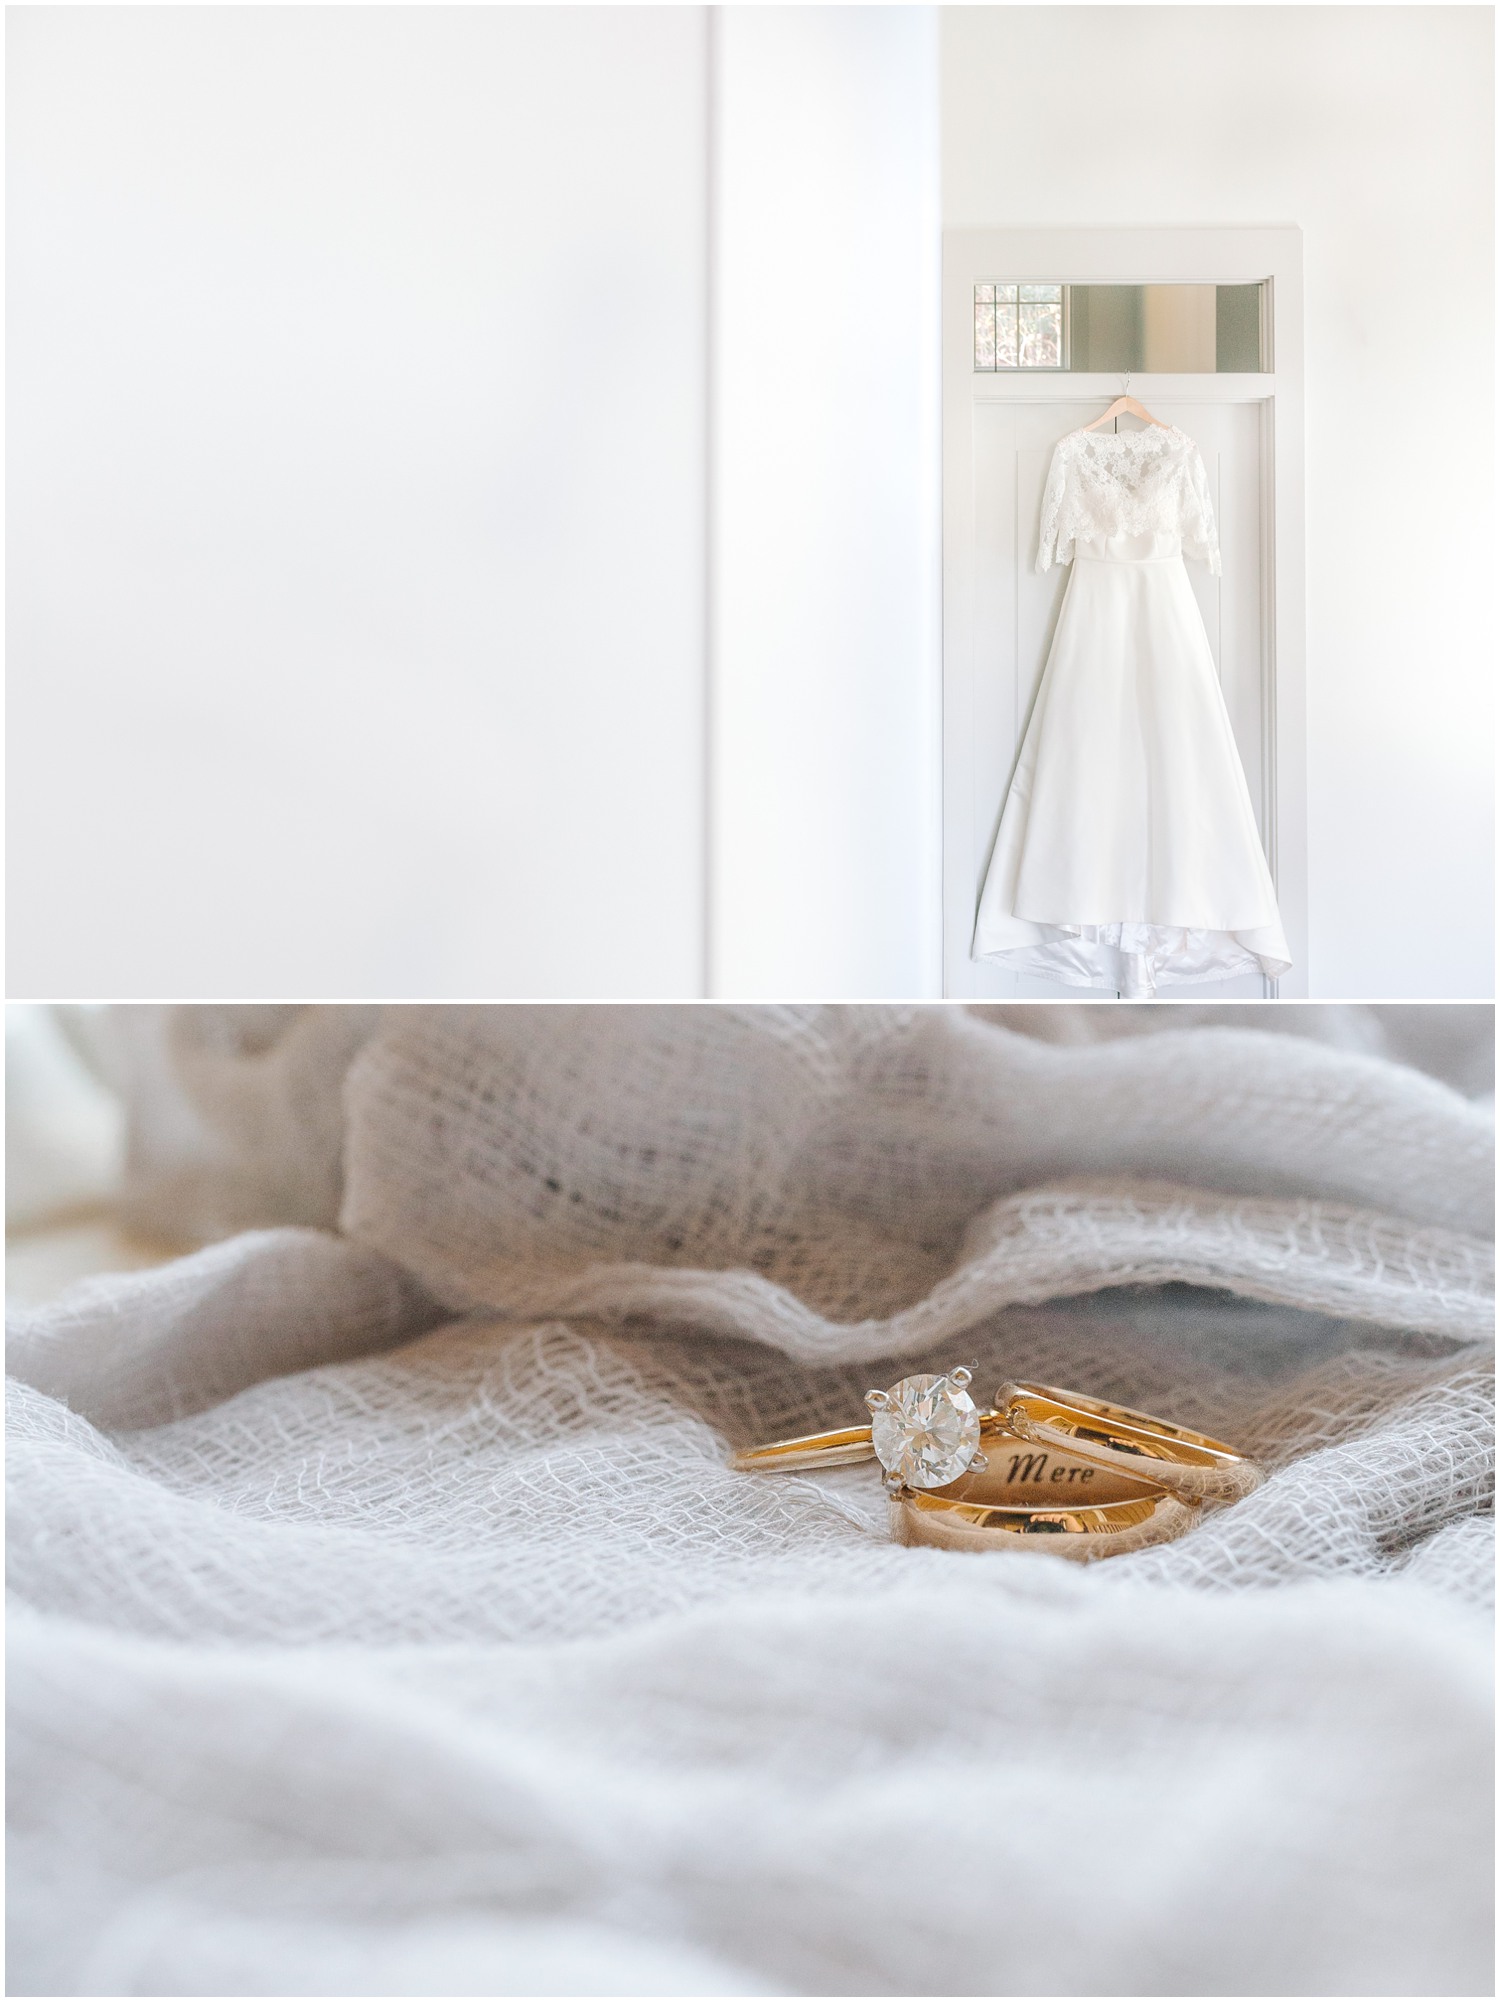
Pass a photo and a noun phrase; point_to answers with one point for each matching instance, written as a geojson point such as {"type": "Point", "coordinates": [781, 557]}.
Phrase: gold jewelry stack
{"type": "Point", "coordinates": [1094, 1479]}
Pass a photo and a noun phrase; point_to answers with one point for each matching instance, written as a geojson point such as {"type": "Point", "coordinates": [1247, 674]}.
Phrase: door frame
{"type": "Point", "coordinates": [1239, 254]}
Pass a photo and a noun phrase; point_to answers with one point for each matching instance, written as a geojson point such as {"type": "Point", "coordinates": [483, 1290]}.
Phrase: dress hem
{"type": "Point", "coordinates": [1134, 959]}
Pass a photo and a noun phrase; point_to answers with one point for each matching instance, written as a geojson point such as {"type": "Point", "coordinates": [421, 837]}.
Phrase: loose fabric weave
{"type": "Point", "coordinates": [386, 1619]}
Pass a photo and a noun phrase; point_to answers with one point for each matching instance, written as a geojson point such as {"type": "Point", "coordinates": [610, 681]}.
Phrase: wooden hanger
{"type": "Point", "coordinates": [1126, 404]}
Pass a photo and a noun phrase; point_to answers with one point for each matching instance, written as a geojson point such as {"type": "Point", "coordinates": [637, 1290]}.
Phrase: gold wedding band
{"type": "Point", "coordinates": [1116, 1439]}
{"type": "Point", "coordinates": [1083, 1531]}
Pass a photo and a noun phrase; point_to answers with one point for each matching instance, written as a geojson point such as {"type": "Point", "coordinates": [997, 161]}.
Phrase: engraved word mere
{"type": "Point", "coordinates": [1033, 1467]}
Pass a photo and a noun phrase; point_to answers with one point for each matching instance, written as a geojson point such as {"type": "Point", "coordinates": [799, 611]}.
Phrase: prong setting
{"type": "Point", "coordinates": [925, 1429]}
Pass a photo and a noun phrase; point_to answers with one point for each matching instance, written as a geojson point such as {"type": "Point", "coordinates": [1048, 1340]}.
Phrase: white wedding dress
{"type": "Point", "coordinates": [1128, 855]}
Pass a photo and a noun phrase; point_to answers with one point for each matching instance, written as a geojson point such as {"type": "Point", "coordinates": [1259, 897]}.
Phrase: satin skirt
{"type": "Point", "coordinates": [1128, 855]}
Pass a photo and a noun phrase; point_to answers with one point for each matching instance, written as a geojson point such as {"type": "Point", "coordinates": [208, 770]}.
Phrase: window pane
{"type": "Point", "coordinates": [1005, 292]}
{"type": "Point", "coordinates": [984, 292]}
{"type": "Point", "coordinates": [984, 333]}
{"type": "Point", "coordinates": [1041, 336]}
{"type": "Point", "coordinates": [1039, 292]}
{"type": "Point", "coordinates": [1005, 336]}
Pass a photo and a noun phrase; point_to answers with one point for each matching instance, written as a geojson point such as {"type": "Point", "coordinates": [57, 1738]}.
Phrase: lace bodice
{"type": "Point", "coordinates": [1104, 483]}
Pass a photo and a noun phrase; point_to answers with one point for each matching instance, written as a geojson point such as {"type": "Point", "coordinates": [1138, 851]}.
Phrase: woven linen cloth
{"type": "Point", "coordinates": [386, 1619]}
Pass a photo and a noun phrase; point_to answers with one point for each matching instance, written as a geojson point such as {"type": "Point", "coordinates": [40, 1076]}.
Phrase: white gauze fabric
{"type": "Point", "coordinates": [386, 1619]}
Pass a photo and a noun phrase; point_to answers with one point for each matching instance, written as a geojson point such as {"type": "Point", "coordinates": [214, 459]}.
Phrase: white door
{"type": "Point", "coordinates": [1014, 615]}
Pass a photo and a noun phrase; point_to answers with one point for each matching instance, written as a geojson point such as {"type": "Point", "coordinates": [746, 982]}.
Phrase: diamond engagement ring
{"type": "Point", "coordinates": [924, 1431]}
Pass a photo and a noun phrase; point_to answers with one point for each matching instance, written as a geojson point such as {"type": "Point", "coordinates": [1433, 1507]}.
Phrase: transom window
{"type": "Point", "coordinates": [1171, 329]}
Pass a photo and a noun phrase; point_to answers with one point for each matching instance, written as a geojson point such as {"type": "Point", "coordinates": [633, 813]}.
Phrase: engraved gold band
{"type": "Point", "coordinates": [1028, 1497]}
{"type": "Point", "coordinates": [1187, 1464]}
{"type": "Point", "coordinates": [1100, 1529]}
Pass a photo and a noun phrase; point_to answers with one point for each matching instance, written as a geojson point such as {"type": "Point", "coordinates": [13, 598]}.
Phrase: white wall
{"type": "Point", "coordinates": [356, 443]}
{"type": "Point", "coordinates": [358, 633]}
{"type": "Point", "coordinates": [825, 467]}
{"type": "Point", "coordinates": [1371, 127]}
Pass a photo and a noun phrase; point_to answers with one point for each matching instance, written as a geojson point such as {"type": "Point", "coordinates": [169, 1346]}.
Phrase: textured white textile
{"type": "Point", "coordinates": [1127, 855]}
{"type": "Point", "coordinates": [360, 1648]}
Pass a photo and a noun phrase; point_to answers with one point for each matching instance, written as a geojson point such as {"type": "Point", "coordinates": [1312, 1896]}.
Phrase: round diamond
{"type": "Point", "coordinates": [926, 1432]}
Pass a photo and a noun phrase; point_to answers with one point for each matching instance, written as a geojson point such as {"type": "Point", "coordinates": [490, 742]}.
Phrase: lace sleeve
{"type": "Point", "coordinates": [1200, 532]}
{"type": "Point", "coordinates": [1048, 552]}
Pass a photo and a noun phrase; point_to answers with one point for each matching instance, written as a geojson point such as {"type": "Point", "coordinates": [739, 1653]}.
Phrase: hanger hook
{"type": "Point", "coordinates": [1126, 390]}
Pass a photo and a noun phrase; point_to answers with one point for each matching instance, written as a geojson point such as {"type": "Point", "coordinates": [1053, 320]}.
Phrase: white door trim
{"type": "Point", "coordinates": [1231, 255]}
